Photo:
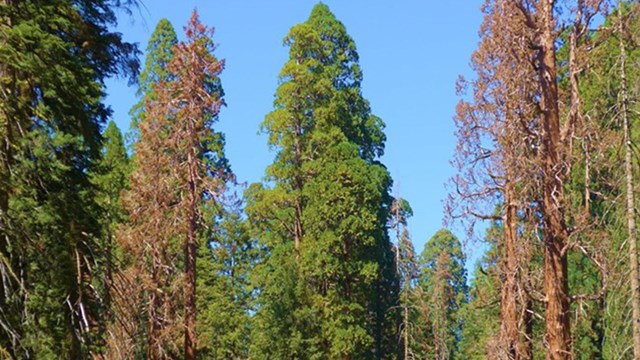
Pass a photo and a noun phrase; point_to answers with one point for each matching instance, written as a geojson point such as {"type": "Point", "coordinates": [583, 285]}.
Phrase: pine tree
{"type": "Point", "coordinates": [54, 58]}
{"type": "Point", "coordinates": [328, 281]}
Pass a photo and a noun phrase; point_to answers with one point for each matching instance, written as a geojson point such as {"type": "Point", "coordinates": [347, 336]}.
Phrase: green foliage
{"type": "Point", "coordinates": [225, 294]}
{"type": "Point", "coordinates": [327, 192]}
{"type": "Point", "coordinates": [159, 52]}
{"type": "Point", "coordinates": [111, 177]}
{"type": "Point", "coordinates": [443, 280]}
{"type": "Point", "coordinates": [54, 58]}
{"type": "Point", "coordinates": [479, 315]}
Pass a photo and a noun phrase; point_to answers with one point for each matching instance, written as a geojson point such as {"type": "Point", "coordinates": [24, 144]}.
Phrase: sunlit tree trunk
{"type": "Point", "coordinates": [557, 319]}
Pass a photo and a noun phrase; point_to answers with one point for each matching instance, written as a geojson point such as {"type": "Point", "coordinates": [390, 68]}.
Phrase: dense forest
{"type": "Point", "coordinates": [146, 245]}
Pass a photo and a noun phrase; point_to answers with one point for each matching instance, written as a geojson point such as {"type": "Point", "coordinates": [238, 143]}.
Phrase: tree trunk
{"type": "Point", "coordinates": [557, 321]}
{"type": "Point", "coordinates": [190, 261]}
{"type": "Point", "coordinates": [509, 324]}
{"type": "Point", "coordinates": [153, 345]}
{"type": "Point", "coordinates": [631, 210]}
{"type": "Point", "coordinates": [406, 332]}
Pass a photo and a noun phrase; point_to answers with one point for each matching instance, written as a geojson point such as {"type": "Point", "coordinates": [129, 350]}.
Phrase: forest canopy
{"type": "Point", "coordinates": [145, 244]}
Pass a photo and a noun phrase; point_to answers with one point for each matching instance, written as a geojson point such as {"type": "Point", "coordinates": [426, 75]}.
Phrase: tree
{"type": "Point", "coordinates": [180, 171]}
{"type": "Point", "coordinates": [443, 279]}
{"type": "Point", "coordinates": [529, 80]}
{"type": "Point", "coordinates": [488, 185]}
{"type": "Point", "coordinates": [110, 178]}
{"type": "Point", "coordinates": [159, 52]}
{"type": "Point", "coordinates": [634, 274]}
{"type": "Point", "coordinates": [225, 294]}
{"type": "Point", "coordinates": [407, 269]}
{"type": "Point", "coordinates": [478, 315]}
{"type": "Point", "coordinates": [54, 58]}
{"type": "Point", "coordinates": [129, 311]}
{"type": "Point", "coordinates": [327, 282]}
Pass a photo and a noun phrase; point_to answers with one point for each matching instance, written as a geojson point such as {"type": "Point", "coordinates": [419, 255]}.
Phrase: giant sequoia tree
{"type": "Point", "coordinates": [327, 283]}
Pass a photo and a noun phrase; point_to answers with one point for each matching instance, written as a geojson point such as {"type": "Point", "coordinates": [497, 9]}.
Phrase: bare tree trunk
{"type": "Point", "coordinates": [557, 321]}
{"type": "Point", "coordinates": [190, 259]}
{"type": "Point", "coordinates": [509, 332]}
{"type": "Point", "coordinates": [631, 210]}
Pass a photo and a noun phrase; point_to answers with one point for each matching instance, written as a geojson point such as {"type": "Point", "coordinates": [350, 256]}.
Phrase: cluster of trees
{"type": "Point", "coordinates": [546, 153]}
{"type": "Point", "coordinates": [141, 248]}
{"type": "Point", "coordinates": [144, 249]}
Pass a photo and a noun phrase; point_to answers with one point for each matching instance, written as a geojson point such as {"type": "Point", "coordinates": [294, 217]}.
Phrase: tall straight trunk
{"type": "Point", "coordinates": [556, 287]}
{"type": "Point", "coordinates": [190, 259]}
{"type": "Point", "coordinates": [631, 201]}
{"type": "Point", "coordinates": [509, 324]}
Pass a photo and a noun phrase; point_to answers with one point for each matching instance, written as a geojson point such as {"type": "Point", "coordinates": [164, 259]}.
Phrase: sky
{"type": "Point", "coordinates": [411, 53]}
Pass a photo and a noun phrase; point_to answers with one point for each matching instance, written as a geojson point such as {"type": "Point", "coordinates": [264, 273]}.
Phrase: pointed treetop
{"type": "Point", "coordinates": [321, 10]}
{"type": "Point", "coordinates": [330, 28]}
{"type": "Point", "coordinates": [158, 54]}
{"type": "Point", "coordinates": [113, 143]}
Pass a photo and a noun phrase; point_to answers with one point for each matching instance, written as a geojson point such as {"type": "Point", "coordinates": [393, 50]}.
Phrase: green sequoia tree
{"type": "Point", "coordinates": [327, 283]}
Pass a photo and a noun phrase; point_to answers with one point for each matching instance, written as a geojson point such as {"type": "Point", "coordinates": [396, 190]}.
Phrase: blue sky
{"type": "Point", "coordinates": [411, 53]}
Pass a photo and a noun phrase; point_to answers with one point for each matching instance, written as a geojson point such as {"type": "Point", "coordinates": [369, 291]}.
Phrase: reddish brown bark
{"type": "Point", "coordinates": [196, 107]}
{"type": "Point", "coordinates": [509, 314]}
{"type": "Point", "coordinates": [556, 289]}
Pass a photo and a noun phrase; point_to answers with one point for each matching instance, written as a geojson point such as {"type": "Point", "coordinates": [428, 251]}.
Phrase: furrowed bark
{"type": "Point", "coordinates": [509, 331]}
{"type": "Point", "coordinates": [557, 320]}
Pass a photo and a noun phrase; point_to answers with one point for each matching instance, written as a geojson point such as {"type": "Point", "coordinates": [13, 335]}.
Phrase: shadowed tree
{"type": "Point", "coordinates": [54, 59]}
